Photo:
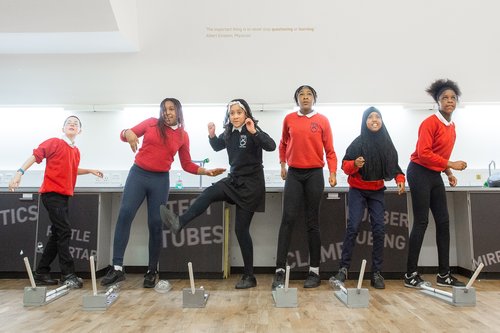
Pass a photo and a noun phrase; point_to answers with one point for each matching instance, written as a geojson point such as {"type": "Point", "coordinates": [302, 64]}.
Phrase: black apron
{"type": "Point", "coordinates": [247, 191]}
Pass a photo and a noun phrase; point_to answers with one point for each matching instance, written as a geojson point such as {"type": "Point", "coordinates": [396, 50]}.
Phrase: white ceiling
{"type": "Point", "coordinates": [68, 26]}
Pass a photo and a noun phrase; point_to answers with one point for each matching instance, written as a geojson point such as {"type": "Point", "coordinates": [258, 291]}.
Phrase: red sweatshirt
{"type": "Point", "coordinates": [61, 168]}
{"type": "Point", "coordinates": [156, 155]}
{"type": "Point", "coordinates": [436, 138]}
{"type": "Point", "coordinates": [303, 140]}
{"type": "Point", "coordinates": [355, 180]}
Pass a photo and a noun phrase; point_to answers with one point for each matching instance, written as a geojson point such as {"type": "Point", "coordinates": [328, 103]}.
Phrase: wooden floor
{"type": "Point", "coordinates": [395, 309]}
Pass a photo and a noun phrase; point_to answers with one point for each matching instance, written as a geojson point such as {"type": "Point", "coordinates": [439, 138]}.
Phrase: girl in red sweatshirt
{"type": "Point", "coordinates": [436, 138]}
{"type": "Point", "coordinates": [306, 140]}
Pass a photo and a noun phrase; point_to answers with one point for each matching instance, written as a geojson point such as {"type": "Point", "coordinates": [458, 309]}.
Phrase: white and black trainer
{"type": "Point", "coordinates": [448, 280]}
{"type": "Point", "coordinates": [415, 281]}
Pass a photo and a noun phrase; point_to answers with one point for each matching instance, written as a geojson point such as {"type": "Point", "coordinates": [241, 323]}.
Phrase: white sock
{"type": "Point", "coordinates": [411, 275]}
{"type": "Point", "coordinates": [315, 270]}
{"type": "Point", "coordinates": [118, 268]}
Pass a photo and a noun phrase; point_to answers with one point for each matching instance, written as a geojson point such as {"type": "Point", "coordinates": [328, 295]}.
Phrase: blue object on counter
{"type": "Point", "coordinates": [494, 180]}
{"type": "Point", "coordinates": [178, 184]}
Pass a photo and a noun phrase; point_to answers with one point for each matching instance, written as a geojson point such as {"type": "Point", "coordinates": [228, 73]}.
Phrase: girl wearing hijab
{"type": "Point", "coordinates": [370, 160]}
{"type": "Point", "coordinates": [244, 186]}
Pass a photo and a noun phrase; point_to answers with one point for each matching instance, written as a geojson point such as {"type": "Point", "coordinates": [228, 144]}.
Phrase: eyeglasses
{"type": "Point", "coordinates": [72, 123]}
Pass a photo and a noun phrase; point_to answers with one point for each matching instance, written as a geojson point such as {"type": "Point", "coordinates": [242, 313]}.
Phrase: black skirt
{"type": "Point", "coordinates": [248, 191]}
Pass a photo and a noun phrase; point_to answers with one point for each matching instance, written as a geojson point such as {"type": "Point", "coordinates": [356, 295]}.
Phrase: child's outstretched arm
{"type": "Point", "coordinates": [96, 173]}
{"type": "Point", "coordinates": [16, 180]}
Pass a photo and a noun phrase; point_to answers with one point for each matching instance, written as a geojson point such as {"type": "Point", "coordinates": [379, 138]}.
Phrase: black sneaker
{"type": "Point", "coordinates": [377, 281]}
{"type": "Point", "coordinates": [72, 281]}
{"type": "Point", "coordinates": [341, 275]}
{"type": "Point", "coordinates": [170, 219]}
{"type": "Point", "coordinates": [279, 280]}
{"type": "Point", "coordinates": [415, 281]}
{"type": "Point", "coordinates": [149, 279]}
{"type": "Point", "coordinates": [44, 279]}
{"type": "Point", "coordinates": [313, 280]}
{"type": "Point", "coordinates": [448, 280]}
{"type": "Point", "coordinates": [112, 276]}
{"type": "Point", "coordinates": [246, 281]}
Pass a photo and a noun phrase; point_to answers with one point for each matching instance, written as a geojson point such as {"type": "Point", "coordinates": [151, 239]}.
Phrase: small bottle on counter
{"type": "Point", "coordinates": [178, 184]}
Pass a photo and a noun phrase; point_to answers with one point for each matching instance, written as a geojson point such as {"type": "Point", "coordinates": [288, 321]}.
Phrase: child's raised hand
{"type": "Point", "coordinates": [250, 126]}
{"type": "Point", "coordinates": [359, 162]}
{"type": "Point", "coordinates": [211, 129]}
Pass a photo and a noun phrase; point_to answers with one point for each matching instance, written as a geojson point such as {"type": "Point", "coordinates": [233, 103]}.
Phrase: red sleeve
{"type": "Point", "coordinates": [349, 167]}
{"type": "Point", "coordinates": [44, 150]}
{"type": "Point", "coordinates": [400, 178]}
{"type": "Point", "coordinates": [185, 156]}
{"type": "Point", "coordinates": [331, 156]}
{"type": "Point", "coordinates": [425, 144]}
{"type": "Point", "coordinates": [139, 129]}
{"type": "Point", "coordinates": [285, 136]}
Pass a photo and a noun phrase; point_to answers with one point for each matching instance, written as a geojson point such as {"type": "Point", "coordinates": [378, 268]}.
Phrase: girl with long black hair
{"type": "Point", "coordinates": [163, 137]}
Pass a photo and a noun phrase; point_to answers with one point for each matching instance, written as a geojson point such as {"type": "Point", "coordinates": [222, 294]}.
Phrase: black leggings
{"type": "Point", "coordinates": [242, 226]}
{"type": "Point", "coordinates": [301, 185]}
{"type": "Point", "coordinates": [428, 192]}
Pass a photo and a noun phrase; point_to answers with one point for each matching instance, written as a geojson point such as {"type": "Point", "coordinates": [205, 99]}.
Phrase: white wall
{"type": "Point", "coordinates": [358, 51]}
{"type": "Point", "coordinates": [22, 130]}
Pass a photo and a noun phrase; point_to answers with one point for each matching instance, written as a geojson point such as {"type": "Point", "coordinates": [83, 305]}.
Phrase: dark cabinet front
{"type": "Point", "coordinates": [333, 220]}
{"type": "Point", "coordinates": [485, 216]}
{"type": "Point", "coordinates": [18, 222]}
{"type": "Point", "coordinates": [201, 242]}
